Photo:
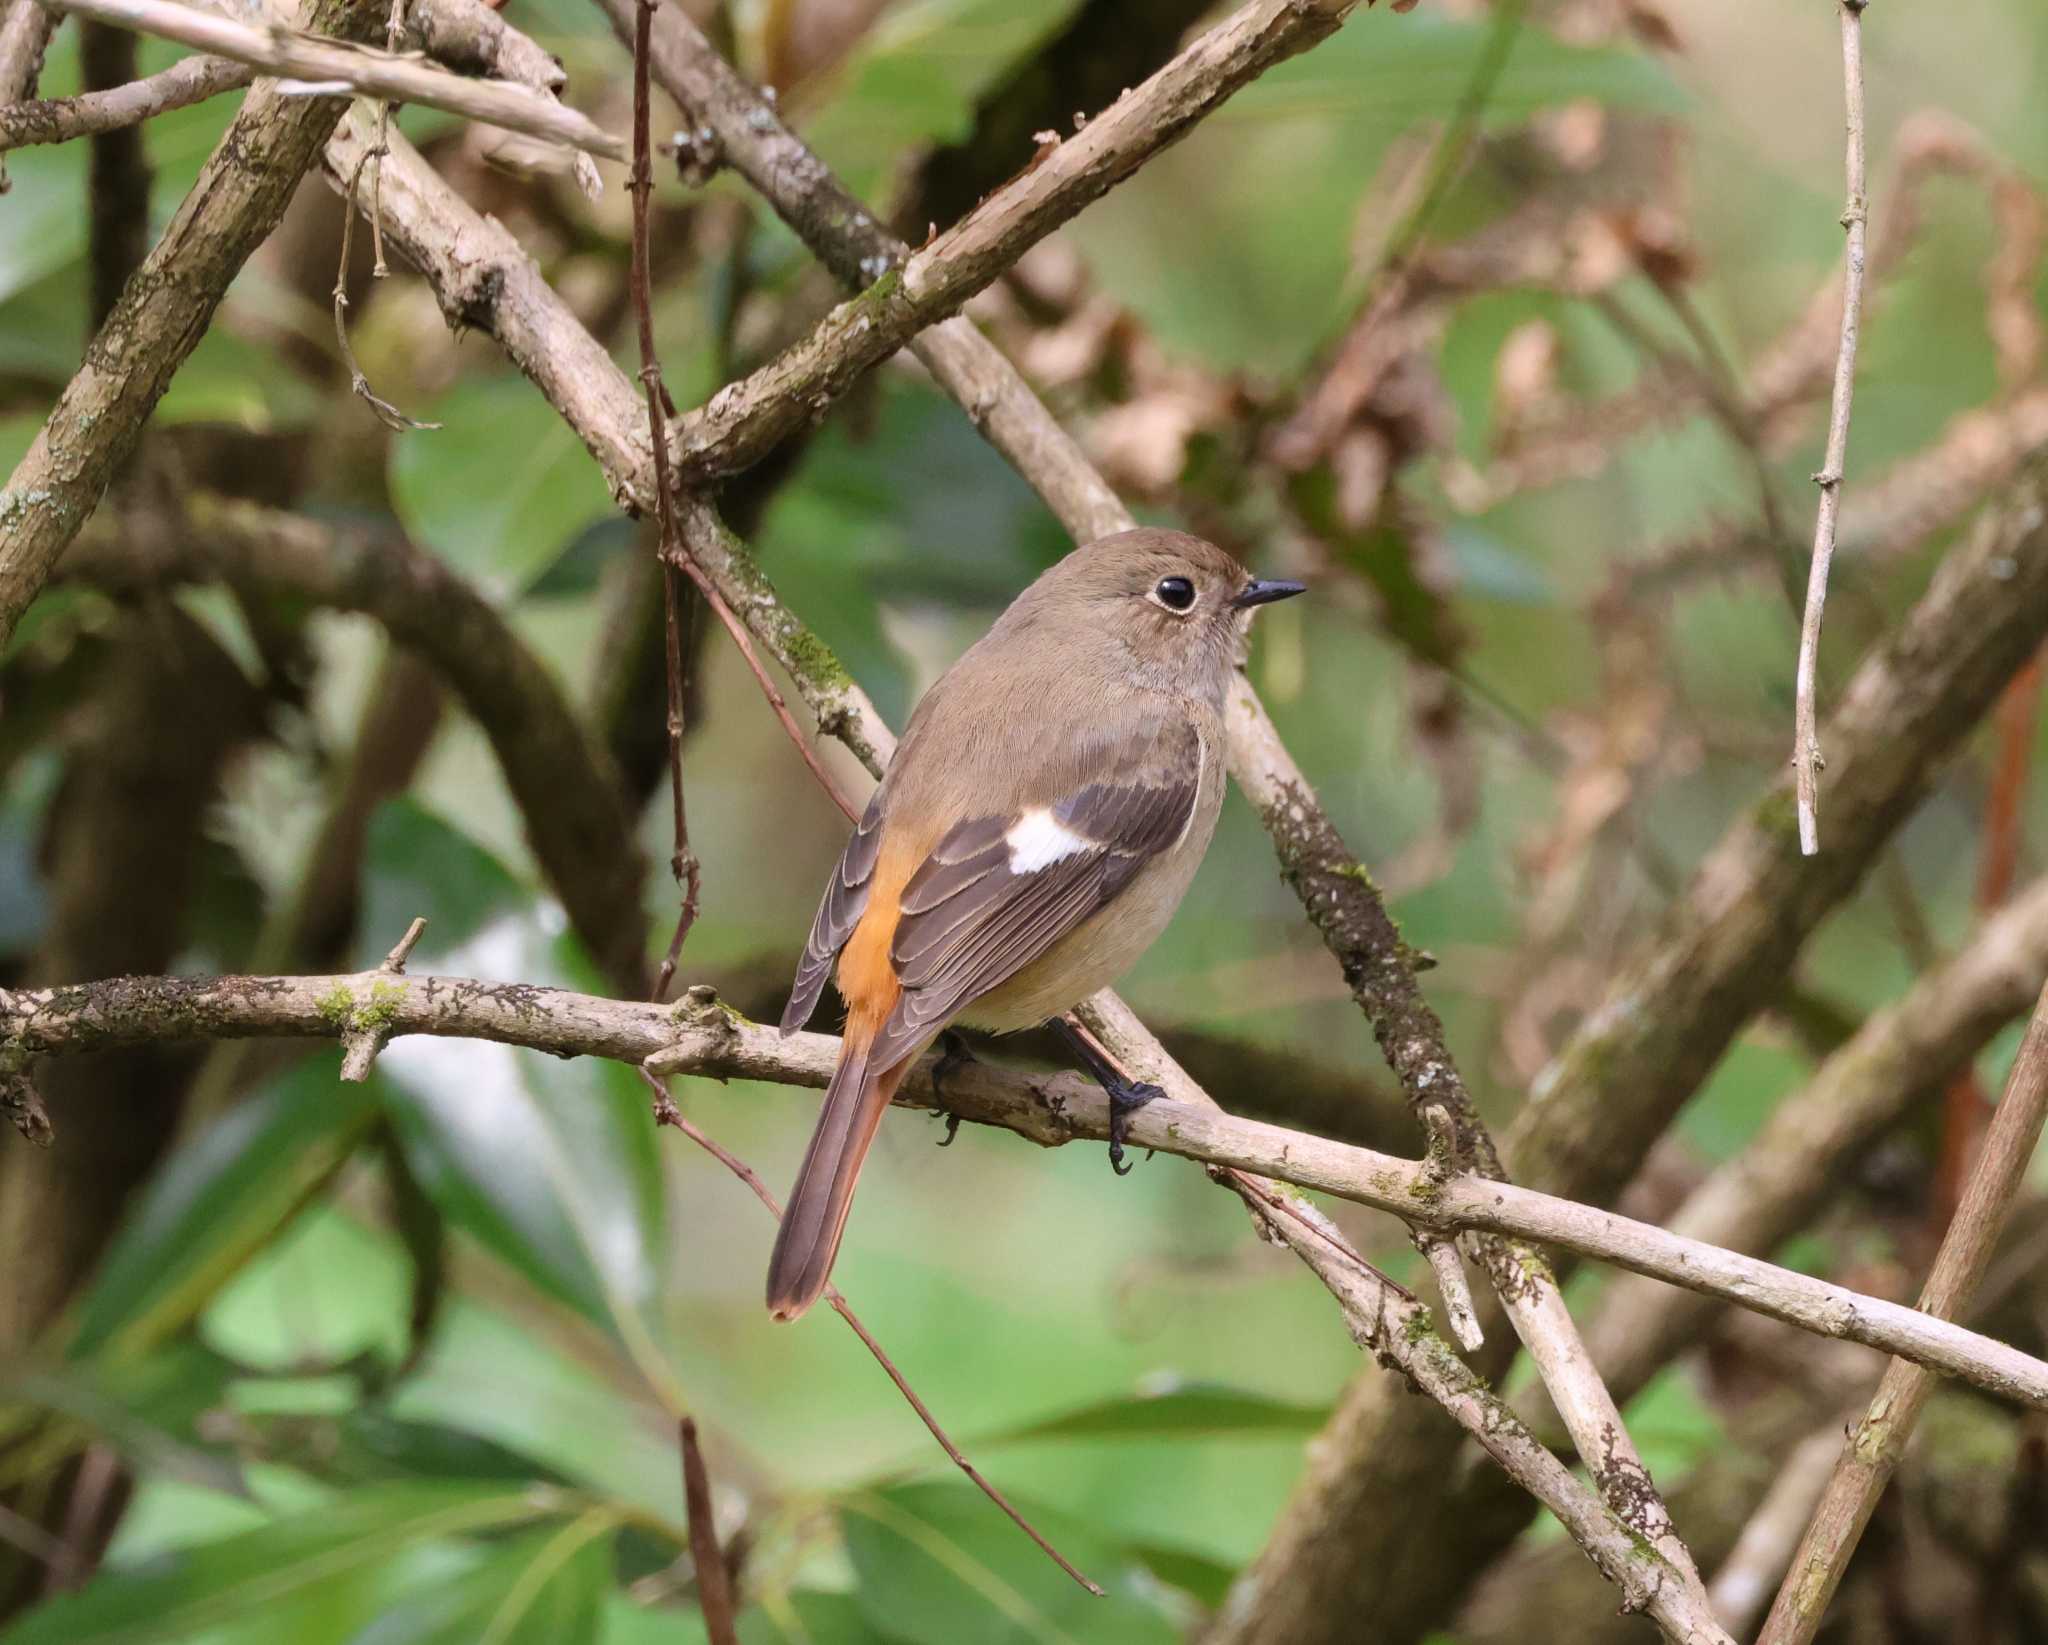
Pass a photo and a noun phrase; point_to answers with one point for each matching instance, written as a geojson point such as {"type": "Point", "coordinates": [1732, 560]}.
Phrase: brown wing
{"type": "Point", "coordinates": [846, 895]}
{"type": "Point", "coordinates": [997, 892]}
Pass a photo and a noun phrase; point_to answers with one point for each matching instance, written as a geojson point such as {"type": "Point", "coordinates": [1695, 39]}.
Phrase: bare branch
{"type": "Point", "coordinates": [25, 30]}
{"type": "Point", "coordinates": [1876, 1443]}
{"type": "Point", "coordinates": [714, 1582]}
{"type": "Point", "coordinates": [313, 61]}
{"type": "Point", "coordinates": [369, 1031]}
{"type": "Point", "coordinates": [1806, 756]}
{"type": "Point", "coordinates": [58, 120]}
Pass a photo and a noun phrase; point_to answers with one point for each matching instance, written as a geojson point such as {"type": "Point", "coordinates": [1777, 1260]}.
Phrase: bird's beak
{"type": "Point", "coordinates": [1264, 591]}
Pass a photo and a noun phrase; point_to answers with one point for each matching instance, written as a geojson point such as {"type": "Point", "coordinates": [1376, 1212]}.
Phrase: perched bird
{"type": "Point", "coordinates": [1036, 829]}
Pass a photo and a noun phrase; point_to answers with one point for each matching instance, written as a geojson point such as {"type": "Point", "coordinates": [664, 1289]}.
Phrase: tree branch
{"type": "Point", "coordinates": [1806, 757]}
{"type": "Point", "coordinates": [1876, 1443]}
{"type": "Point", "coordinates": [331, 67]}
{"type": "Point", "coordinates": [25, 30]}
{"type": "Point", "coordinates": [58, 120]}
{"type": "Point", "coordinates": [1767, 1192]}
{"type": "Point", "coordinates": [702, 1037]}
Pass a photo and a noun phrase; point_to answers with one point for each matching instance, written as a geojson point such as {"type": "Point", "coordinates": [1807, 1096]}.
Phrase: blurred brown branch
{"type": "Point", "coordinates": [1876, 1443]}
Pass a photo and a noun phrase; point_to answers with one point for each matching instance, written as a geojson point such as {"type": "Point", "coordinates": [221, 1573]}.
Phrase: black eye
{"type": "Point", "coordinates": [1175, 593]}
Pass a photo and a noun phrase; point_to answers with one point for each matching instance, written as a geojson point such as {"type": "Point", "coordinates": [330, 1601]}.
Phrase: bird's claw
{"type": "Point", "coordinates": [1125, 1098]}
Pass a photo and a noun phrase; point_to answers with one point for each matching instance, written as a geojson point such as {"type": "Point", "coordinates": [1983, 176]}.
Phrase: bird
{"type": "Point", "coordinates": [1041, 819]}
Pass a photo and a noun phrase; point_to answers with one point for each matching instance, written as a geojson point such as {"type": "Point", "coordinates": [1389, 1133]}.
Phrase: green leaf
{"type": "Point", "coordinates": [1181, 1411]}
{"type": "Point", "coordinates": [807, 1617]}
{"type": "Point", "coordinates": [147, 1408]}
{"type": "Point", "coordinates": [939, 1566]}
{"type": "Point", "coordinates": [916, 76]}
{"type": "Point", "coordinates": [552, 1165]}
{"type": "Point", "coordinates": [540, 1588]}
{"type": "Point", "coordinates": [241, 1576]}
{"type": "Point", "coordinates": [218, 1202]}
{"type": "Point", "coordinates": [502, 489]}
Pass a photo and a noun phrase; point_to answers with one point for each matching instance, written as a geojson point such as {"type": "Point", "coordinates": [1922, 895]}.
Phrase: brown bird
{"type": "Point", "coordinates": [1038, 826]}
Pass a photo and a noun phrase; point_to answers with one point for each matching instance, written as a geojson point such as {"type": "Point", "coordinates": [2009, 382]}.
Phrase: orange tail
{"type": "Point", "coordinates": [816, 1215]}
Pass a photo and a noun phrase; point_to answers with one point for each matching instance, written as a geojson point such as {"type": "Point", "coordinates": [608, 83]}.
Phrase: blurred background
{"type": "Point", "coordinates": [1507, 327]}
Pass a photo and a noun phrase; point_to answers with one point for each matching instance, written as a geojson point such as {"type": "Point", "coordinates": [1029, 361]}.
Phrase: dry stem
{"type": "Point", "coordinates": [1806, 755]}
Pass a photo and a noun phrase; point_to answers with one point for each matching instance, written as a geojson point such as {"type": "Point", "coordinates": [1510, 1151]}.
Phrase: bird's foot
{"type": "Point", "coordinates": [953, 1057]}
{"type": "Point", "coordinates": [1126, 1097]}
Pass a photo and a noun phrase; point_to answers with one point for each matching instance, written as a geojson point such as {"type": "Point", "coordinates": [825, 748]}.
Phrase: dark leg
{"type": "Point", "coordinates": [1126, 1096]}
{"type": "Point", "coordinates": [953, 1056]}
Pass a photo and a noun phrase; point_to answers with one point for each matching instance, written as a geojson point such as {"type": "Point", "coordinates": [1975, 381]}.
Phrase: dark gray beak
{"type": "Point", "coordinates": [1264, 591]}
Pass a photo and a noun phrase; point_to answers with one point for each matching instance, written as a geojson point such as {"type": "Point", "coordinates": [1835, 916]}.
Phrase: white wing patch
{"type": "Point", "coordinates": [1038, 839]}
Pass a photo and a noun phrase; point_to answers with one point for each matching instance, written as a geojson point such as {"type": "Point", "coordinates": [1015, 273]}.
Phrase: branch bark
{"type": "Point", "coordinates": [1806, 757]}
{"type": "Point", "coordinates": [330, 67]}
{"type": "Point", "coordinates": [1876, 1443]}
{"type": "Point", "coordinates": [164, 310]}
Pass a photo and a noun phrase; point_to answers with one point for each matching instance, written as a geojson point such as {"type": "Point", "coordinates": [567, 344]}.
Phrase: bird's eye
{"type": "Point", "coordinates": [1175, 593]}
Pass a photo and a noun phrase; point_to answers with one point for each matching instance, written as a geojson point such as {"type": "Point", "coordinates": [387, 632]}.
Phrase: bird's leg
{"type": "Point", "coordinates": [953, 1056]}
{"type": "Point", "coordinates": [1126, 1095]}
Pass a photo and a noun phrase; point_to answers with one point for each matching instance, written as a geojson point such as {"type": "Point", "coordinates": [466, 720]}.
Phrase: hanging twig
{"type": "Point", "coordinates": [1806, 755]}
{"type": "Point", "coordinates": [682, 860]}
{"type": "Point", "coordinates": [667, 1113]}
{"type": "Point", "coordinates": [1875, 1444]}
{"type": "Point", "coordinates": [359, 385]}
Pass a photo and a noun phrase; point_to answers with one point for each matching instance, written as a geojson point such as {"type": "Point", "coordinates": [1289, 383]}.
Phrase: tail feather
{"type": "Point", "coordinates": [816, 1215]}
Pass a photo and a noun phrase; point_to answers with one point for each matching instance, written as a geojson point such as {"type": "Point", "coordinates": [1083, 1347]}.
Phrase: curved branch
{"type": "Point", "coordinates": [701, 1036]}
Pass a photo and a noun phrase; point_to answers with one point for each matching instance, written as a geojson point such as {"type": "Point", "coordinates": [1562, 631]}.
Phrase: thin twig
{"type": "Point", "coordinates": [714, 1581]}
{"type": "Point", "coordinates": [667, 1113]}
{"type": "Point", "coordinates": [1755, 1564]}
{"type": "Point", "coordinates": [682, 860]}
{"type": "Point", "coordinates": [359, 385]}
{"type": "Point", "coordinates": [1806, 754]}
{"type": "Point", "coordinates": [319, 62]}
{"type": "Point", "coordinates": [1875, 1444]}
{"type": "Point", "coordinates": [58, 120]}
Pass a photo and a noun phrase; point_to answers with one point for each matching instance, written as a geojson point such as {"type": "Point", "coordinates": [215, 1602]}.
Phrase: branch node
{"type": "Point", "coordinates": [401, 951]}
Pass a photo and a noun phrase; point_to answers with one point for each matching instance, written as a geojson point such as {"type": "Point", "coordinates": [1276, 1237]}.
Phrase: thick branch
{"type": "Point", "coordinates": [59, 119]}
{"type": "Point", "coordinates": [336, 67]}
{"type": "Point", "coordinates": [239, 197]}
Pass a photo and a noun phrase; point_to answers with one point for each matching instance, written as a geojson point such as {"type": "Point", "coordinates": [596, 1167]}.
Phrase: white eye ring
{"type": "Point", "coordinates": [1174, 594]}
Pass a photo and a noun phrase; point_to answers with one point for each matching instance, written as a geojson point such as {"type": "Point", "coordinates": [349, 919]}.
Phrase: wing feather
{"type": "Point", "coordinates": [839, 911]}
{"type": "Point", "coordinates": [972, 917]}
